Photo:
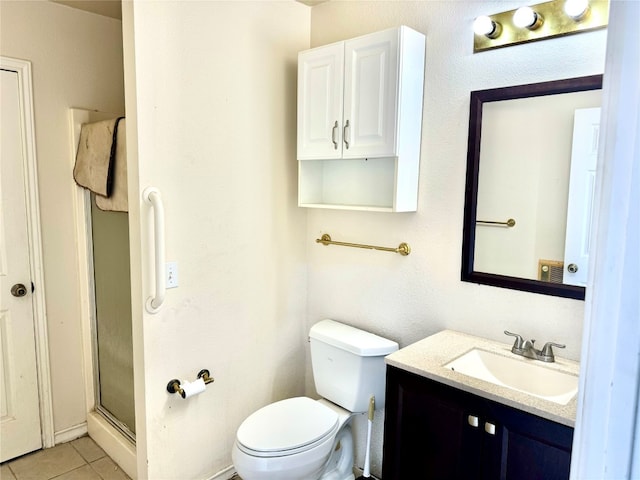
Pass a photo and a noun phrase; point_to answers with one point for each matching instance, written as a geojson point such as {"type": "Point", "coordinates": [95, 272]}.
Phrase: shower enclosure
{"type": "Point", "coordinates": [103, 249]}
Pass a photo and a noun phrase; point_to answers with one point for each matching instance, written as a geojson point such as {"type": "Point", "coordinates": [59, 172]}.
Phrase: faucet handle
{"type": "Point", "coordinates": [519, 342]}
{"type": "Point", "coordinates": [547, 351]}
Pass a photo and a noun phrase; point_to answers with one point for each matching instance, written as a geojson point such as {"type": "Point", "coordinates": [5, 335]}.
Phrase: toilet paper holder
{"type": "Point", "coordinates": [174, 385]}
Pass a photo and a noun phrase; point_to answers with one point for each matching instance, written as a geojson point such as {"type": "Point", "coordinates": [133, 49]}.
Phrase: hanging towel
{"type": "Point", "coordinates": [118, 200]}
{"type": "Point", "coordinates": [94, 160]}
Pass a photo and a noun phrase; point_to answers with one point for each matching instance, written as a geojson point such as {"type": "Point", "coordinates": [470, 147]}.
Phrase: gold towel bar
{"type": "Point", "coordinates": [403, 249]}
{"type": "Point", "coordinates": [509, 223]}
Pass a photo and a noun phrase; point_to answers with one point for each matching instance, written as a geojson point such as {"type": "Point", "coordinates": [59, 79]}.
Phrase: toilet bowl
{"type": "Point", "coordinates": [294, 439]}
{"type": "Point", "coordinates": [304, 439]}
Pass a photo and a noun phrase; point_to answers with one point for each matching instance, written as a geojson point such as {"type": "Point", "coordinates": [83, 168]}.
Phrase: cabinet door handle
{"type": "Point", "coordinates": [344, 134]}
{"type": "Point", "coordinates": [334, 130]}
{"type": "Point", "coordinates": [490, 428]}
{"type": "Point", "coordinates": [473, 421]}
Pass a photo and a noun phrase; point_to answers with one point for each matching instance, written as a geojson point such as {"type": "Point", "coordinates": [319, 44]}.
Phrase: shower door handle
{"type": "Point", "coordinates": [151, 195]}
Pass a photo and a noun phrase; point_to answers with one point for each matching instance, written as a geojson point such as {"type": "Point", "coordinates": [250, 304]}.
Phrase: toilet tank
{"type": "Point", "coordinates": [348, 364]}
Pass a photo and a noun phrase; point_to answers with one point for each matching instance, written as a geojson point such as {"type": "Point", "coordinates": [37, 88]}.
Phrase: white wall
{"type": "Point", "coordinates": [408, 298]}
{"type": "Point", "coordinates": [77, 62]}
{"type": "Point", "coordinates": [211, 87]}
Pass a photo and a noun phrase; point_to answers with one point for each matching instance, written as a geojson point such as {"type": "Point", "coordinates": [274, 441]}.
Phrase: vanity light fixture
{"type": "Point", "coordinates": [483, 25]}
{"type": "Point", "coordinates": [577, 9]}
{"type": "Point", "coordinates": [527, 17]}
{"type": "Point", "coordinates": [538, 22]}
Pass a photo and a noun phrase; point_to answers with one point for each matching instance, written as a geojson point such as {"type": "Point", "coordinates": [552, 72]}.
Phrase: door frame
{"type": "Point", "coordinates": [25, 86]}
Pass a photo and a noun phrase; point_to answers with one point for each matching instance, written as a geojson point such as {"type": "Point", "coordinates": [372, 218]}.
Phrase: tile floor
{"type": "Point", "coordinates": [80, 459]}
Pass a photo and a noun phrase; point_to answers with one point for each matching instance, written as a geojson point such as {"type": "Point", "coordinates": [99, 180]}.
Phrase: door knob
{"type": "Point", "coordinates": [18, 290]}
{"type": "Point", "coordinates": [572, 267]}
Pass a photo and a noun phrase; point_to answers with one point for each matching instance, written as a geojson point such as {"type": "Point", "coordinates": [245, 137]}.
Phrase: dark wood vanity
{"type": "Point", "coordinates": [435, 431]}
{"type": "Point", "coordinates": [443, 424]}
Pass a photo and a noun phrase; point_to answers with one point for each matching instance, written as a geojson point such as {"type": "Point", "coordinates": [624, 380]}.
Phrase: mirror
{"type": "Point", "coordinates": [529, 186]}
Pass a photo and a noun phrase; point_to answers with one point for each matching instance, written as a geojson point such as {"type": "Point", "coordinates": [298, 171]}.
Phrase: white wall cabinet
{"type": "Point", "coordinates": [360, 122]}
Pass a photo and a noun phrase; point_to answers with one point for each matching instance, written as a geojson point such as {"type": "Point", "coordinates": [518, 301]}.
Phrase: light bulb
{"type": "Point", "coordinates": [526, 17]}
{"type": "Point", "coordinates": [483, 25]}
{"type": "Point", "coordinates": [576, 9]}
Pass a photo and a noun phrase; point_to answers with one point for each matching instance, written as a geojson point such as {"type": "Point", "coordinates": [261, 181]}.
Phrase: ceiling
{"type": "Point", "coordinates": [113, 8]}
{"type": "Point", "coordinates": [108, 8]}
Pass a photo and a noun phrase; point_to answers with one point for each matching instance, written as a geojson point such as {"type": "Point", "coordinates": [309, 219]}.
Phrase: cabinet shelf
{"type": "Point", "coordinates": [362, 184]}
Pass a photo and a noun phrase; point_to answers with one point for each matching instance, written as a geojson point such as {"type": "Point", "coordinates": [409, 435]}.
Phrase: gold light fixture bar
{"type": "Point", "coordinates": [556, 22]}
{"type": "Point", "coordinates": [403, 249]}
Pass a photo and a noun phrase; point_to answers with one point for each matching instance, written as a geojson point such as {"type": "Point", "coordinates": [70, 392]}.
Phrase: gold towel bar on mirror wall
{"type": "Point", "coordinates": [403, 249]}
{"type": "Point", "coordinates": [509, 223]}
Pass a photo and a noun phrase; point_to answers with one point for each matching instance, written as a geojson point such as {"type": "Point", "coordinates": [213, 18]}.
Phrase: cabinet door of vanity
{"type": "Point", "coordinates": [532, 448]}
{"type": "Point", "coordinates": [370, 95]}
{"type": "Point", "coordinates": [320, 88]}
{"type": "Point", "coordinates": [429, 434]}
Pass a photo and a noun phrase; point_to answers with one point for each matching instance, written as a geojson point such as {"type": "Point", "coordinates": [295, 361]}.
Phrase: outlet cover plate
{"type": "Point", "coordinates": [171, 269]}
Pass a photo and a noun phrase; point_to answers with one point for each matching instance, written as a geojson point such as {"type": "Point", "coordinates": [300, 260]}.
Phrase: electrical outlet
{"type": "Point", "coordinates": [171, 269]}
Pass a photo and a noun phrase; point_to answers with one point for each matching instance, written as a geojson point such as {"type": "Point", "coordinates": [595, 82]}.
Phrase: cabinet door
{"type": "Point", "coordinates": [428, 433]}
{"type": "Point", "coordinates": [370, 95]}
{"type": "Point", "coordinates": [320, 86]}
{"type": "Point", "coordinates": [433, 431]}
{"type": "Point", "coordinates": [532, 448]}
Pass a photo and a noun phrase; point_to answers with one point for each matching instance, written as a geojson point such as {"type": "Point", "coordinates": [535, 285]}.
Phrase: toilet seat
{"type": "Point", "coordinates": [287, 427]}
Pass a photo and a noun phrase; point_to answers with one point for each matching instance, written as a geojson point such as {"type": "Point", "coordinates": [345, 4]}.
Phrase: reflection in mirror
{"type": "Point", "coordinates": [530, 180]}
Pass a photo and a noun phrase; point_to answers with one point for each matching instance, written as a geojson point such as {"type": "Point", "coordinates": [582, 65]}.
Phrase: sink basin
{"type": "Point", "coordinates": [528, 376]}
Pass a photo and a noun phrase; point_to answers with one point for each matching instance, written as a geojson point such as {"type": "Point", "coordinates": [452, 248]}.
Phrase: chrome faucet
{"type": "Point", "coordinates": [526, 348]}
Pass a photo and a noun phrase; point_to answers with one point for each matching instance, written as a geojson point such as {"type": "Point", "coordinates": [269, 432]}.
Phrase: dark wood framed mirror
{"type": "Point", "coordinates": [519, 164]}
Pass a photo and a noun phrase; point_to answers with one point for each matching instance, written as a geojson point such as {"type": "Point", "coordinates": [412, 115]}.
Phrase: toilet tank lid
{"type": "Point", "coordinates": [352, 339]}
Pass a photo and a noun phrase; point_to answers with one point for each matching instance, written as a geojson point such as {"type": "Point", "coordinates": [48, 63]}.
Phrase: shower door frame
{"type": "Point", "coordinates": [120, 444]}
{"type": "Point", "coordinates": [93, 319]}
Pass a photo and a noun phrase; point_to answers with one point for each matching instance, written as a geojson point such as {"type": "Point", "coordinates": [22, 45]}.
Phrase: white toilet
{"type": "Point", "coordinates": [304, 439]}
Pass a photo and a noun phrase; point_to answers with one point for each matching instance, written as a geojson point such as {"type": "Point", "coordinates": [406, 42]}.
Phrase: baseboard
{"type": "Point", "coordinates": [71, 433]}
{"type": "Point", "coordinates": [225, 474]}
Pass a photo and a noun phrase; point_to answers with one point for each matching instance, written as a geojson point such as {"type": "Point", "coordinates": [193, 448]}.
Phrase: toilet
{"type": "Point", "coordinates": [304, 439]}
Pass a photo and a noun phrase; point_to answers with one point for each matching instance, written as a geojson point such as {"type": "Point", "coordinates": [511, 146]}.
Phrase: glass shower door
{"type": "Point", "coordinates": [113, 352]}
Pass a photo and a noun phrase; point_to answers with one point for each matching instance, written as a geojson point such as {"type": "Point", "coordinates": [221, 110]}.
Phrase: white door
{"type": "Point", "coordinates": [582, 181]}
{"type": "Point", "coordinates": [320, 82]}
{"type": "Point", "coordinates": [370, 95]}
{"type": "Point", "coordinates": [19, 403]}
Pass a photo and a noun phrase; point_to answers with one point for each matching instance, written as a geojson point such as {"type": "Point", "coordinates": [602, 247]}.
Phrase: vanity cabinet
{"type": "Point", "coordinates": [434, 431]}
{"type": "Point", "coordinates": [360, 122]}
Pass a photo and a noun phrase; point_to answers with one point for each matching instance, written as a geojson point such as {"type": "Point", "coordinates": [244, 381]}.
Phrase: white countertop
{"type": "Point", "coordinates": [427, 358]}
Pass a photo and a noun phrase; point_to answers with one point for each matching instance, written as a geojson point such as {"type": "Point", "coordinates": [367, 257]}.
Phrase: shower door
{"type": "Point", "coordinates": [113, 350]}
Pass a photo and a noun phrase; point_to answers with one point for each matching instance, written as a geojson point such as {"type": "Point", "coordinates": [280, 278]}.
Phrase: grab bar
{"type": "Point", "coordinates": [152, 196]}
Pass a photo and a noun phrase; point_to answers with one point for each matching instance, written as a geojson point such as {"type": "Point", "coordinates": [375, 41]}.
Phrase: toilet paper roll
{"type": "Point", "coordinates": [193, 388]}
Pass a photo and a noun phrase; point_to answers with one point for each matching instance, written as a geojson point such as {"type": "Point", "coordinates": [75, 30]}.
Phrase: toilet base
{"type": "Point", "coordinates": [340, 463]}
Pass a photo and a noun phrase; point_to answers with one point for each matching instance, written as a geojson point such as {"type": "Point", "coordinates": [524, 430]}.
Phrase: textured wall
{"type": "Point", "coordinates": [408, 298]}
{"type": "Point", "coordinates": [211, 86]}
{"type": "Point", "coordinates": [76, 62]}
